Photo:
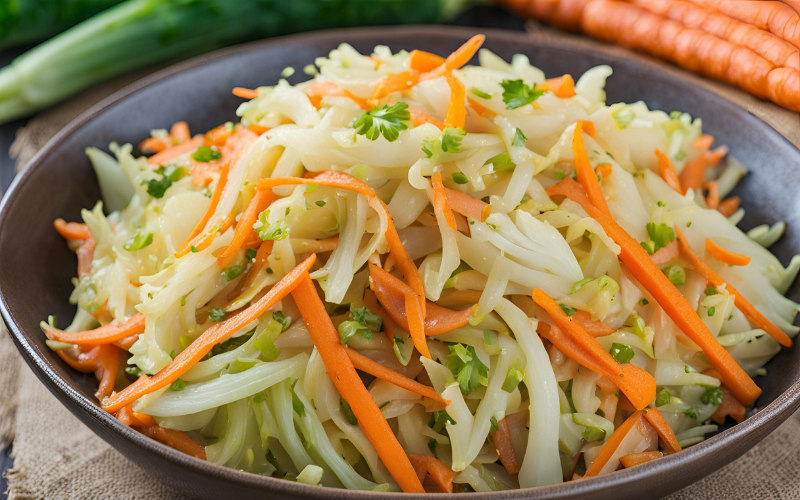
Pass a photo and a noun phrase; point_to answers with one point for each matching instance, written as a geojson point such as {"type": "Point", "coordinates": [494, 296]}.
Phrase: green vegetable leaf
{"type": "Point", "coordinates": [231, 273]}
{"type": "Point", "coordinates": [460, 178]}
{"type": "Point", "coordinates": [178, 385]}
{"type": "Point", "coordinates": [467, 368]}
{"type": "Point", "coordinates": [217, 314]}
{"type": "Point", "coordinates": [661, 235]}
{"type": "Point", "coordinates": [386, 120]}
{"type": "Point", "coordinates": [432, 447]}
{"type": "Point", "coordinates": [623, 353]}
{"type": "Point", "coordinates": [711, 290]}
{"type": "Point", "coordinates": [240, 365]}
{"type": "Point", "coordinates": [348, 329]}
{"type": "Point", "coordinates": [283, 320]}
{"type": "Point", "coordinates": [517, 93]}
{"type": "Point", "coordinates": [319, 203]}
{"type": "Point", "coordinates": [711, 311]}
{"type": "Point", "coordinates": [439, 419]}
{"type": "Point", "coordinates": [519, 138]}
{"type": "Point", "coordinates": [276, 231]}
{"type": "Point", "coordinates": [501, 162]}
{"type": "Point", "coordinates": [663, 397]}
{"type": "Point", "coordinates": [713, 396]}
{"type": "Point", "coordinates": [251, 253]}
{"type": "Point", "coordinates": [677, 275]}
{"type": "Point", "coordinates": [157, 187]}
{"type": "Point", "coordinates": [347, 411]}
{"type": "Point", "coordinates": [692, 412]}
{"type": "Point", "coordinates": [567, 309]}
{"type": "Point", "coordinates": [205, 154]}
{"type": "Point", "coordinates": [364, 316]}
{"type": "Point", "coordinates": [513, 378]}
{"type": "Point", "coordinates": [448, 142]}
{"type": "Point", "coordinates": [138, 242]}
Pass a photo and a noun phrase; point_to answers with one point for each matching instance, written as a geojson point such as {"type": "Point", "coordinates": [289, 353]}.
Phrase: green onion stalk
{"type": "Point", "coordinates": [136, 33]}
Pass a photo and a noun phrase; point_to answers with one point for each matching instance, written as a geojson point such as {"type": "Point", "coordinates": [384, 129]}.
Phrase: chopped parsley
{"type": "Point", "coordinates": [623, 353]}
{"type": "Point", "coordinates": [297, 405]}
{"type": "Point", "coordinates": [362, 318]}
{"type": "Point", "coordinates": [276, 231]}
{"type": "Point", "coordinates": [713, 396]}
{"type": "Point", "coordinates": [439, 419]}
{"type": "Point", "coordinates": [178, 385]}
{"type": "Point", "coordinates": [692, 412]}
{"type": "Point", "coordinates": [517, 93]}
{"type": "Point", "coordinates": [251, 253]}
{"type": "Point", "coordinates": [319, 203]}
{"type": "Point", "coordinates": [469, 372]}
{"type": "Point", "coordinates": [205, 154]}
{"type": "Point", "coordinates": [661, 235]}
{"type": "Point", "coordinates": [386, 120]}
{"type": "Point", "coordinates": [677, 275]}
{"type": "Point", "coordinates": [663, 397]}
{"type": "Point", "coordinates": [217, 314]}
{"type": "Point", "coordinates": [157, 187]}
{"type": "Point", "coordinates": [480, 93]}
{"type": "Point", "coordinates": [501, 162]}
{"type": "Point", "coordinates": [283, 320]}
{"type": "Point", "coordinates": [460, 178]}
{"type": "Point", "coordinates": [711, 290]}
{"type": "Point", "coordinates": [711, 311]}
{"type": "Point", "coordinates": [519, 138]}
{"type": "Point", "coordinates": [567, 309]}
{"type": "Point", "coordinates": [233, 272]}
{"type": "Point", "coordinates": [448, 142]}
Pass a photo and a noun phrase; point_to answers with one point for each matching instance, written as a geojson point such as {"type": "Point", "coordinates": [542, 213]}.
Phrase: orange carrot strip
{"type": "Point", "coordinates": [750, 312]}
{"type": "Point", "coordinates": [155, 144]}
{"type": "Point", "coordinates": [505, 447]}
{"type": "Point", "coordinates": [127, 342]}
{"type": "Point", "coordinates": [344, 181]}
{"type": "Point", "coordinates": [456, 107]}
{"type": "Point", "coordinates": [728, 206]}
{"type": "Point", "coordinates": [72, 230]}
{"type": "Point", "coordinates": [656, 419]}
{"type": "Point", "coordinates": [389, 326]}
{"type": "Point", "coordinates": [258, 129]}
{"type": "Point", "coordinates": [244, 93]}
{"type": "Point", "coordinates": [480, 108]}
{"type": "Point", "coordinates": [419, 117]}
{"type": "Point", "coordinates": [180, 132]}
{"type": "Point", "coordinates": [320, 88]}
{"type": "Point", "coordinates": [703, 142]}
{"type": "Point", "coordinates": [416, 322]}
{"type": "Point", "coordinates": [211, 337]}
{"type": "Point", "coordinates": [106, 334]}
{"type": "Point", "coordinates": [712, 200]}
{"type": "Point", "coordinates": [85, 254]}
{"type": "Point", "coordinates": [605, 170]}
{"type": "Point", "coordinates": [441, 474]}
{"type": "Point", "coordinates": [467, 206]}
{"type": "Point", "coordinates": [212, 207]}
{"type": "Point", "coordinates": [593, 328]}
{"type": "Point", "coordinates": [351, 388]}
{"type": "Point", "coordinates": [635, 459]}
{"type": "Point", "coordinates": [440, 199]}
{"type": "Point", "coordinates": [666, 254]}
{"type": "Point", "coordinates": [217, 136]}
{"type": "Point", "coordinates": [260, 263]}
{"type": "Point", "coordinates": [693, 173]}
{"type": "Point", "coordinates": [563, 86]}
{"type": "Point", "coordinates": [206, 239]}
{"type": "Point", "coordinates": [175, 151]}
{"type": "Point", "coordinates": [726, 256]}
{"type": "Point", "coordinates": [668, 297]}
{"type": "Point", "coordinates": [608, 402]}
{"type": "Point", "coordinates": [365, 364]}
{"type": "Point", "coordinates": [395, 82]}
{"type": "Point", "coordinates": [132, 419]}
{"type": "Point", "coordinates": [102, 360]}
{"type": "Point", "coordinates": [244, 227]}
{"type": "Point", "coordinates": [457, 59]}
{"type": "Point", "coordinates": [641, 393]}
{"type": "Point", "coordinates": [391, 293]}
{"type": "Point", "coordinates": [729, 405]}
{"type": "Point", "coordinates": [422, 61]}
{"type": "Point", "coordinates": [175, 439]}
{"type": "Point", "coordinates": [667, 172]}
{"type": "Point", "coordinates": [585, 173]}
{"type": "Point", "coordinates": [610, 446]}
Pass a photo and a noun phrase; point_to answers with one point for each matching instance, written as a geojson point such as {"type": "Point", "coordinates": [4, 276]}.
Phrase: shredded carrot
{"type": "Point", "coordinates": [235, 147]}
{"type": "Point", "coordinates": [666, 254]}
{"type": "Point", "coordinates": [455, 60]}
{"type": "Point", "coordinates": [127, 342]}
{"type": "Point", "coordinates": [752, 314]}
{"type": "Point", "coordinates": [667, 172]}
{"type": "Point", "coordinates": [610, 446]}
{"type": "Point", "coordinates": [72, 230]}
{"type": "Point", "coordinates": [365, 364]}
{"type": "Point", "coordinates": [467, 206]}
{"type": "Point", "coordinates": [729, 405]}
{"type": "Point", "coordinates": [394, 82]}
{"type": "Point", "coordinates": [505, 447]}
{"type": "Point", "coordinates": [416, 322]}
{"type": "Point", "coordinates": [712, 200]}
{"type": "Point", "coordinates": [456, 107]}
{"type": "Point", "coordinates": [85, 253]}
{"type": "Point", "coordinates": [419, 117]}
{"type": "Point", "coordinates": [584, 171]}
{"type": "Point", "coordinates": [212, 207]}
{"type": "Point", "coordinates": [351, 388]}
{"type": "Point", "coordinates": [180, 132]}
{"type": "Point", "coordinates": [729, 206]}
{"type": "Point", "coordinates": [638, 385]}
{"type": "Point", "coordinates": [703, 142]}
{"type": "Point", "coordinates": [593, 328]}
{"type": "Point", "coordinates": [256, 128]}
{"type": "Point", "coordinates": [102, 360]}
{"type": "Point", "coordinates": [391, 293]}
{"type": "Point", "coordinates": [693, 173]}
{"type": "Point", "coordinates": [217, 136]}
{"type": "Point", "coordinates": [344, 181]}
{"type": "Point", "coordinates": [440, 200]}
{"type": "Point", "coordinates": [175, 439]}
{"type": "Point", "coordinates": [635, 459]}
{"type": "Point", "coordinates": [605, 170]}
{"type": "Point", "coordinates": [201, 242]}
{"type": "Point", "coordinates": [608, 402]}
{"type": "Point", "coordinates": [662, 427]}
{"type": "Point", "coordinates": [245, 93]}
{"type": "Point", "coordinates": [726, 256]}
{"type": "Point", "coordinates": [320, 88]}
{"type": "Point", "coordinates": [422, 61]}
{"type": "Point", "coordinates": [261, 200]}
{"type": "Point", "coordinates": [439, 472]}
{"type": "Point", "coordinates": [668, 297]}
{"type": "Point", "coordinates": [563, 86]}
{"type": "Point", "coordinates": [155, 144]}
{"type": "Point", "coordinates": [480, 108]}
{"type": "Point", "coordinates": [107, 334]}
{"type": "Point", "coordinates": [211, 337]}
{"type": "Point", "coordinates": [175, 151]}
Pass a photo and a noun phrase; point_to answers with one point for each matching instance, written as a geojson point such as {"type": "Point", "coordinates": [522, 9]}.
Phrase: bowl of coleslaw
{"type": "Point", "coordinates": [413, 260]}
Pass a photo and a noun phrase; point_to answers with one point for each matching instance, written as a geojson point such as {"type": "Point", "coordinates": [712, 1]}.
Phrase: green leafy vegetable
{"type": "Point", "coordinates": [297, 405]}
{"type": "Point", "coordinates": [480, 93]}
{"type": "Point", "coordinates": [276, 231]}
{"type": "Point", "coordinates": [178, 385]}
{"type": "Point", "coordinates": [169, 174]}
{"type": "Point", "coordinates": [205, 154]}
{"type": "Point", "coordinates": [519, 138]}
{"type": "Point", "coordinates": [676, 274]}
{"type": "Point", "coordinates": [592, 434]}
{"type": "Point", "coordinates": [711, 290]}
{"type": "Point", "coordinates": [517, 93]}
{"type": "Point", "coordinates": [448, 142]}
{"type": "Point", "coordinates": [232, 272]}
{"type": "Point", "coordinates": [501, 162]}
{"type": "Point", "coordinates": [283, 320]}
{"type": "Point", "coordinates": [692, 412]}
{"type": "Point", "coordinates": [217, 314]}
{"type": "Point", "coordinates": [623, 353]}
{"type": "Point", "coordinates": [713, 396]}
{"type": "Point", "coordinates": [139, 241]}
{"type": "Point", "coordinates": [467, 368]}
{"type": "Point", "coordinates": [663, 397]}
{"type": "Point", "coordinates": [251, 253]}
{"type": "Point", "coordinates": [711, 311]}
{"type": "Point", "coordinates": [567, 309]}
{"type": "Point", "coordinates": [460, 178]}
{"type": "Point", "coordinates": [439, 419]}
{"type": "Point", "coordinates": [347, 411]}
{"type": "Point", "coordinates": [661, 235]}
{"type": "Point", "coordinates": [386, 120]}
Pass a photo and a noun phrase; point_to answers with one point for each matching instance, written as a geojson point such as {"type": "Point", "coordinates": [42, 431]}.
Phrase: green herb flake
{"type": "Point", "coordinates": [139, 241]}
{"type": "Point", "coordinates": [347, 411]}
{"type": "Point", "coordinates": [283, 320]}
{"type": "Point", "coordinates": [663, 397]}
{"type": "Point", "coordinates": [713, 396]}
{"type": "Point", "coordinates": [194, 249]}
{"type": "Point", "coordinates": [501, 162]}
{"type": "Point", "coordinates": [644, 302]}
{"type": "Point", "coordinates": [133, 371]}
{"type": "Point", "coordinates": [661, 235]}
{"type": "Point", "coordinates": [439, 419]}
{"type": "Point", "coordinates": [386, 120]}
{"type": "Point", "coordinates": [170, 174]}
{"type": "Point", "coordinates": [517, 93]}
{"type": "Point", "coordinates": [711, 311]}
{"type": "Point", "coordinates": [178, 385]}
{"type": "Point", "coordinates": [480, 93]}
{"type": "Point", "coordinates": [432, 447]}
{"type": "Point", "coordinates": [217, 314]}
{"type": "Point", "coordinates": [623, 353]}
{"type": "Point", "coordinates": [468, 370]}
{"type": "Point", "coordinates": [251, 253]}
{"type": "Point", "coordinates": [519, 138]}
{"type": "Point", "coordinates": [711, 290]}
{"type": "Point", "coordinates": [205, 154]}
{"type": "Point", "coordinates": [493, 423]}
{"type": "Point", "coordinates": [692, 412]}
{"type": "Point", "coordinates": [513, 378]}
{"type": "Point", "coordinates": [592, 434]}
{"type": "Point", "coordinates": [567, 309]}
{"type": "Point", "coordinates": [275, 231]}
{"type": "Point", "coordinates": [460, 178]}
{"type": "Point", "coordinates": [232, 272]}
{"type": "Point", "coordinates": [319, 203]}
{"type": "Point", "coordinates": [676, 275]}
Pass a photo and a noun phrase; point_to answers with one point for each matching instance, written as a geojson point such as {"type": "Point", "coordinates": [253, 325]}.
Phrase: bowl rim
{"type": "Point", "coordinates": [762, 422]}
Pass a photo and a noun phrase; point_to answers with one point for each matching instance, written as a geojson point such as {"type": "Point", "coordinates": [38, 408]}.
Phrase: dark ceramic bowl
{"type": "Point", "coordinates": [36, 269]}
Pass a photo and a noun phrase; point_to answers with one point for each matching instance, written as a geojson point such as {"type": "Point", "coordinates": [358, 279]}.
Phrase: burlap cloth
{"type": "Point", "coordinates": [56, 457]}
